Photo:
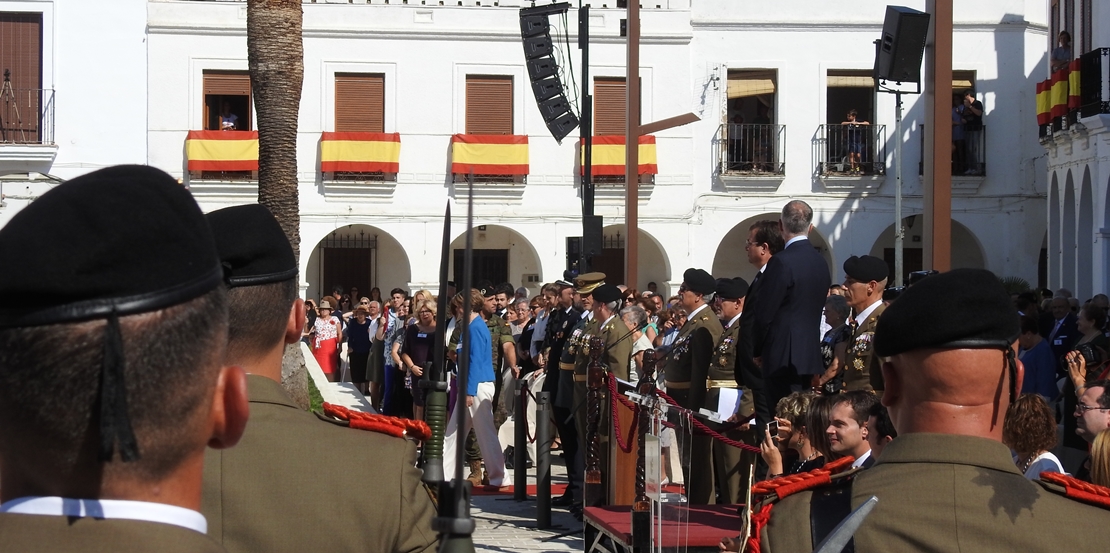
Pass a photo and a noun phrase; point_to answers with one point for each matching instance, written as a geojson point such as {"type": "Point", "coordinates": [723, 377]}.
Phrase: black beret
{"type": "Point", "coordinates": [607, 293]}
{"type": "Point", "coordinates": [253, 248]}
{"type": "Point", "coordinates": [963, 308]}
{"type": "Point", "coordinates": [732, 288]}
{"type": "Point", "coordinates": [122, 240]}
{"type": "Point", "coordinates": [866, 268]}
{"type": "Point", "coordinates": [699, 281]}
{"type": "Point", "coordinates": [486, 288]}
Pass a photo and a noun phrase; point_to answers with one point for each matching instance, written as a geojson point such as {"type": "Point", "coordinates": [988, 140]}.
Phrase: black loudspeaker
{"type": "Point", "coordinates": [591, 235]}
{"type": "Point", "coordinates": [533, 25]}
{"type": "Point", "coordinates": [902, 45]}
{"type": "Point", "coordinates": [537, 46]}
{"type": "Point", "coordinates": [543, 71]}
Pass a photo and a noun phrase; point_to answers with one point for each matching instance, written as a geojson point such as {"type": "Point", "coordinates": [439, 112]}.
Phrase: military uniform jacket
{"type": "Point", "coordinates": [862, 367]}
{"type": "Point", "coordinates": [575, 342]}
{"type": "Point", "coordinates": [720, 371]}
{"type": "Point", "coordinates": [941, 493]}
{"type": "Point", "coordinates": [298, 483]}
{"type": "Point", "coordinates": [618, 346]}
{"type": "Point", "coordinates": [690, 356]}
{"type": "Point", "coordinates": [559, 328]}
{"type": "Point", "coordinates": [21, 533]}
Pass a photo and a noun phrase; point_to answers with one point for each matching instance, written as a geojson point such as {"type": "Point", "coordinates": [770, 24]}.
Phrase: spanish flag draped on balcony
{"type": "Point", "coordinates": [361, 152]}
{"type": "Point", "coordinates": [489, 154]}
{"type": "Point", "coordinates": [608, 156]}
{"type": "Point", "coordinates": [1058, 95]}
{"type": "Point", "coordinates": [222, 150]}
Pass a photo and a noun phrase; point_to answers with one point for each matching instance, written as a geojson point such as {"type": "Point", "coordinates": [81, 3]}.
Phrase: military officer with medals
{"type": "Point", "coordinates": [580, 349]}
{"type": "Point", "coordinates": [731, 465]}
{"type": "Point", "coordinates": [864, 282]}
{"type": "Point", "coordinates": [947, 482]}
{"type": "Point", "coordinates": [564, 316]}
{"type": "Point", "coordinates": [690, 357]}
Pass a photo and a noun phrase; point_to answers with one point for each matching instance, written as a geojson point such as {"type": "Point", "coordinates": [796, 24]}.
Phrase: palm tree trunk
{"type": "Point", "coordinates": [275, 54]}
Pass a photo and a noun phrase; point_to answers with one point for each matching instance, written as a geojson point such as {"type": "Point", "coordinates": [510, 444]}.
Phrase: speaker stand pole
{"type": "Point", "coordinates": [899, 229]}
{"type": "Point", "coordinates": [632, 149]}
{"type": "Point", "coordinates": [586, 126]}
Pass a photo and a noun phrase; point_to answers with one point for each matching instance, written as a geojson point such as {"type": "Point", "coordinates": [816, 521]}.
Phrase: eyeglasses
{"type": "Point", "coordinates": [749, 243]}
{"type": "Point", "coordinates": [423, 311]}
{"type": "Point", "coordinates": [682, 289]}
{"type": "Point", "coordinates": [364, 303]}
{"type": "Point", "coordinates": [1084, 408]}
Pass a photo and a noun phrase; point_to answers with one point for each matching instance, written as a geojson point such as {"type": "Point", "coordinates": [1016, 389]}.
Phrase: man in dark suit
{"type": "Point", "coordinates": [785, 340]}
{"type": "Point", "coordinates": [1064, 331]}
{"type": "Point", "coordinates": [764, 241]}
{"type": "Point", "coordinates": [112, 374]}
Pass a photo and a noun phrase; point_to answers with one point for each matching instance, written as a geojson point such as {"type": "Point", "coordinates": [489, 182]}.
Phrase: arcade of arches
{"type": "Point", "coordinates": [361, 256]}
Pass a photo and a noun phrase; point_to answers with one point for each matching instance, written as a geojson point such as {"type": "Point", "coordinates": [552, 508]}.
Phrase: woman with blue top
{"type": "Point", "coordinates": [479, 395]}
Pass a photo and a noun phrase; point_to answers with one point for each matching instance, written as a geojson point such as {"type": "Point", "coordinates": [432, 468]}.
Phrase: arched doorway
{"type": "Point", "coordinates": [360, 256]}
{"type": "Point", "coordinates": [967, 252]}
{"type": "Point", "coordinates": [731, 260]}
{"type": "Point", "coordinates": [1068, 234]}
{"type": "Point", "coordinates": [1085, 238]}
{"type": "Point", "coordinates": [501, 254]}
{"type": "Point", "coordinates": [652, 264]}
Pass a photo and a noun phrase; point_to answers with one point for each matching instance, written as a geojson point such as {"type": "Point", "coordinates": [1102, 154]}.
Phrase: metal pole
{"type": "Point", "coordinates": [632, 149]}
{"type": "Point", "coordinates": [520, 442]}
{"type": "Point", "coordinates": [899, 229]}
{"type": "Point", "coordinates": [543, 460]}
{"type": "Point", "coordinates": [586, 126]}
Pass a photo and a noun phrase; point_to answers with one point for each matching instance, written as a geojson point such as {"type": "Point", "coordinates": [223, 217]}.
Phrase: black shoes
{"type": "Point", "coordinates": [562, 501]}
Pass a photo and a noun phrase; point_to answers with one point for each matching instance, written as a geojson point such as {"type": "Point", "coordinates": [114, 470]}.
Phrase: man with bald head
{"type": "Point", "coordinates": [947, 483]}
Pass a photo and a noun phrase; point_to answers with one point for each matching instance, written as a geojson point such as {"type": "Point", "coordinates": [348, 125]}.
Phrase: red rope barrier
{"type": "Point", "coordinates": [710, 432]}
{"type": "Point", "coordinates": [626, 446]}
{"type": "Point", "coordinates": [393, 426]}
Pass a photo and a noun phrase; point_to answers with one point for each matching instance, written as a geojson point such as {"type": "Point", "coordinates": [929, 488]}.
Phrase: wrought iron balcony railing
{"type": "Point", "coordinates": [753, 150]}
{"type": "Point", "coordinates": [26, 115]}
{"type": "Point", "coordinates": [851, 150]}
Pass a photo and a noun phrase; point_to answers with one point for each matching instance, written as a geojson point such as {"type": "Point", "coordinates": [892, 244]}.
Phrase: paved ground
{"type": "Point", "coordinates": [504, 525]}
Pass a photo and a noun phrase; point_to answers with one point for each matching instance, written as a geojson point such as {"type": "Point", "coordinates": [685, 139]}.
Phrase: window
{"type": "Point", "coordinates": [1054, 24]}
{"type": "Point", "coordinates": [1084, 28]}
{"type": "Point", "coordinates": [489, 104]}
{"type": "Point", "coordinates": [755, 144]}
{"type": "Point", "coordinates": [610, 94]}
{"type": "Point", "coordinates": [751, 95]}
{"type": "Point", "coordinates": [359, 102]}
{"type": "Point", "coordinates": [230, 90]}
{"type": "Point", "coordinates": [847, 90]}
{"type": "Point", "coordinates": [21, 57]}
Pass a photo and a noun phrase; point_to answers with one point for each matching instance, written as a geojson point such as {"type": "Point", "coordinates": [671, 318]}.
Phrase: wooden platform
{"type": "Point", "coordinates": [609, 528]}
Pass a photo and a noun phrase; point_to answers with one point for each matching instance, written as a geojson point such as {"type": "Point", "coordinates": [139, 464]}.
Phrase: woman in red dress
{"type": "Point", "coordinates": [325, 345]}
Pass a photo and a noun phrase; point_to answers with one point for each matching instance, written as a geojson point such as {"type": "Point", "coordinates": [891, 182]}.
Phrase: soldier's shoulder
{"type": "Point", "coordinates": [356, 425]}
{"type": "Point", "coordinates": [788, 498]}
{"type": "Point", "coordinates": [1075, 490]}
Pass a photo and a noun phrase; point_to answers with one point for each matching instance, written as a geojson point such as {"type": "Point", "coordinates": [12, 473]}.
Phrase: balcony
{"type": "Point", "coordinates": [753, 150]}
{"type": "Point", "coordinates": [969, 156]}
{"type": "Point", "coordinates": [1078, 91]}
{"type": "Point", "coordinates": [26, 129]}
{"type": "Point", "coordinates": [1094, 82]}
{"type": "Point", "coordinates": [851, 150]}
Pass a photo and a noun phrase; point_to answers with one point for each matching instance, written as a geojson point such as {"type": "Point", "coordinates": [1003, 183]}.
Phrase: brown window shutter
{"type": "Point", "coordinates": [609, 106]}
{"type": "Point", "coordinates": [489, 104]}
{"type": "Point", "coordinates": [227, 83]}
{"type": "Point", "coordinates": [359, 102]}
{"type": "Point", "coordinates": [21, 49]}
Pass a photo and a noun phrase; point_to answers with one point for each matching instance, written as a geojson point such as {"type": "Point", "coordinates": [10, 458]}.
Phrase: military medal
{"type": "Point", "coordinates": [722, 361]}
{"type": "Point", "coordinates": [858, 364]}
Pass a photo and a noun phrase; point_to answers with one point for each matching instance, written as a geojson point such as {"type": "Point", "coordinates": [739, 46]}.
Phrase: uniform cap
{"type": "Point", "coordinates": [253, 248]}
{"type": "Point", "coordinates": [589, 282]}
{"type": "Point", "coordinates": [963, 308]}
{"type": "Point", "coordinates": [606, 293]}
{"type": "Point", "coordinates": [732, 288]}
{"type": "Point", "coordinates": [699, 281]}
{"type": "Point", "coordinates": [487, 289]}
{"type": "Point", "coordinates": [866, 268]}
{"type": "Point", "coordinates": [119, 241]}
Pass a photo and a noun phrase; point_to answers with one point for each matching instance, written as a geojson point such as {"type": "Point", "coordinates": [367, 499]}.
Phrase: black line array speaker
{"type": "Point", "coordinates": [543, 70]}
{"type": "Point", "coordinates": [902, 45]}
{"type": "Point", "coordinates": [591, 235]}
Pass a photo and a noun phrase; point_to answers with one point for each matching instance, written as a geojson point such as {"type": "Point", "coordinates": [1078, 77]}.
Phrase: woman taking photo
{"type": "Point", "coordinates": [790, 413]}
{"type": "Point", "coordinates": [326, 343]}
{"type": "Point", "coordinates": [416, 351]}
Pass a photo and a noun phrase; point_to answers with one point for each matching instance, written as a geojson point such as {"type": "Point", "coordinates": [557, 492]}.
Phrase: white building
{"type": "Point", "coordinates": [1078, 147]}
{"type": "Point", "coordinates": [131, 79]}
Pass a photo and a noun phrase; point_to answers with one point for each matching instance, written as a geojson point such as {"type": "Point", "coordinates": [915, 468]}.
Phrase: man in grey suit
{"type": "Point", "coordinates": [787, 313]}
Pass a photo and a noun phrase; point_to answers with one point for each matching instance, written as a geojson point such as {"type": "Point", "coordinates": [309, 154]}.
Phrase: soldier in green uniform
{"type": "Point", "coordinates": [689, 358]}
{"type": "Point", "coordinates": [504, 348]}
{"type": "Point", "coordinates": [297, 482]}
{"type": "Point", "coordinates": [946, 483]}
{"type": "Point", "coordinates": [615, 336]}
{"type": "Point", "coordinates": [587, 284]}
{"type": "Point", "coordinates": [112, 377]}
{"type": "Point", "coordinates": [865, 279]}
{"type": "Point", "coordinates": [731, 466]}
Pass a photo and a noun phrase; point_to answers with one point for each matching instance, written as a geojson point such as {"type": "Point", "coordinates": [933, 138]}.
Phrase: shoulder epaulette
{"type": "Point", "coordinates": [393, 426]}
{"type": "Point", "coordinates": [1074, 488]}
{"type": "Point", "coordinates": [769, 492]}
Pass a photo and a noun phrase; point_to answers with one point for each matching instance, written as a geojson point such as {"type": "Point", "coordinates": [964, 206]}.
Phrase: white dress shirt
{"type": "Point", "coordinates": [108, 509]}
{"type": "Point", "coordinates": [862, 459]}
{"type": "Point", "coordinates": [862, 317]}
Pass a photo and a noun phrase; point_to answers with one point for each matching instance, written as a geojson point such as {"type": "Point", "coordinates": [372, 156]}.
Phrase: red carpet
{"type": "Point", "coordinates": [707, 524]}
{"type": "Point", "coordinates": [556, 490]}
